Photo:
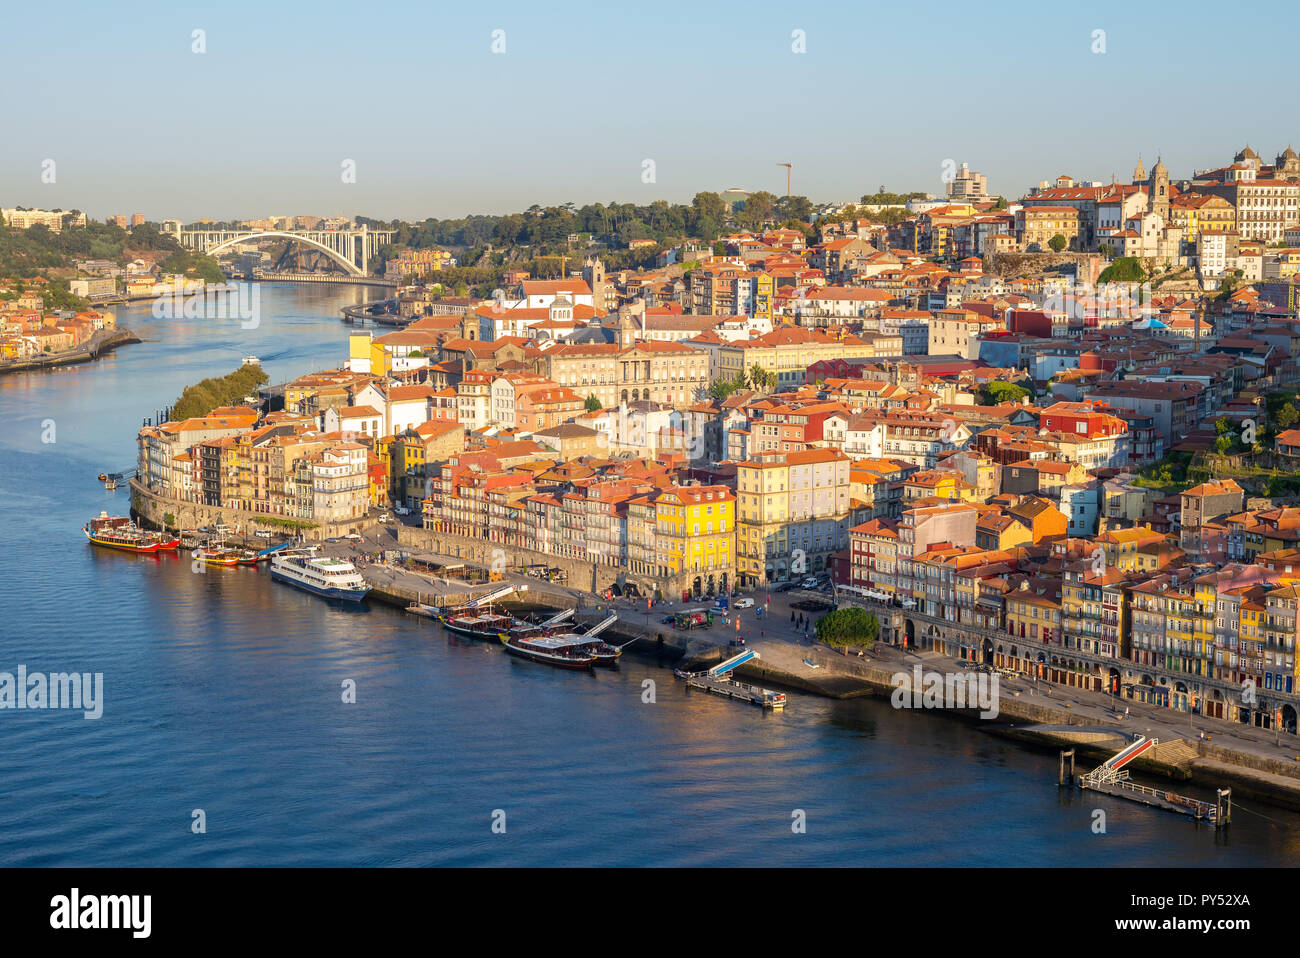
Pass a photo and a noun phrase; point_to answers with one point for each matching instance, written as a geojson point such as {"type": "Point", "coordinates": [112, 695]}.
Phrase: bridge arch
{"type": "Point", "coordinates": [343, 261]}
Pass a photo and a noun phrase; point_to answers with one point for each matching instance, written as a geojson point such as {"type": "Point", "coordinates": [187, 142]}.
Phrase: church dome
{"type": "Point", "coordinates": [1246, 154]}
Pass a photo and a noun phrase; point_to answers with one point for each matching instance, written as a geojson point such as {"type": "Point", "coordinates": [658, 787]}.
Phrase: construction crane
{"type": "Point", "coordinates": [788, 168]}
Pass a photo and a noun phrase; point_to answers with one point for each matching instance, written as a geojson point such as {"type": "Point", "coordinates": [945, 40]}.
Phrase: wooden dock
{"type": "Point", "coordinates": [764, 698]}
{"type": "Point", "coordinates": [718, 680]}
{"type": "Point", "coordinates": [1112, 778]}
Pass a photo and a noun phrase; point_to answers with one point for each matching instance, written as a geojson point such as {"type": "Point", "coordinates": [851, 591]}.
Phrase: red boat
{"type": "Point", "coordinates": [119, 532]}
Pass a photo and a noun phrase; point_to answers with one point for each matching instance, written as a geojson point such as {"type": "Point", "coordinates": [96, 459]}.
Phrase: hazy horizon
{"type": "Point", "coordinates": [438, 125]}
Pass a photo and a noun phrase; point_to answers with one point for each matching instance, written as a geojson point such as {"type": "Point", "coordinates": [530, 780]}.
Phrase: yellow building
{"type": "Point", "coordinates": [793, 508]}
{"type": "Point", "coordinates": [938, 484]}
{"type": "Point", "coordinates": [1120, 546]}
{"type": "Point", "coordinates": [1183, 653]}
{"type": "Point", "coordinates": [764, 289]}
{"type": "Point", "coordinates": [695, 534]}
{"type": "Point", "coordinates": [1033, 611]}
{"type": "Point", "coordinates": [1250, 633]}
{"type": "Point", "coordinates": [1197, 214]}
{"type": "Point", "coordinates": [787, 352]}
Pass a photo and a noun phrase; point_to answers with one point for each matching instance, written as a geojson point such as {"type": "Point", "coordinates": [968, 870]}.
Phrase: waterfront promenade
{"type": "Point", "coordinates": [1254, 761]}
{"type": "Point", "coordinates": [102, 342]}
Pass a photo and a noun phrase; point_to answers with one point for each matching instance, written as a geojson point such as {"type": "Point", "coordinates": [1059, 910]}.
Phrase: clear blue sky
{"type": "Point", "coordinates": [438, 125]}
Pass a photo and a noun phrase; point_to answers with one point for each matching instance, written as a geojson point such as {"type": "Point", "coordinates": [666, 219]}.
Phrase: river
{"type": "Point", "coordinates": [222, 693]}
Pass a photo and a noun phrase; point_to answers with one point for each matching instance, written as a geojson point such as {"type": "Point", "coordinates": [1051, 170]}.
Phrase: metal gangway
{"type": "Point", "coordinates": [558, 618]}
{"type": "Point", "coordinates": [717, 679]}
{"type": "Point", "coordinates": [494, 595]}
{"type": "Point", "coordinates": [722, 668]}
{"type": "Point", "coordinates": [601, 626]}
{"type": "Point", "coordinates": [1112, 770]}
{"type": "Point", "coordinates": [1112, 778]}
{"type": "Point", "coordinates": [111, 479]}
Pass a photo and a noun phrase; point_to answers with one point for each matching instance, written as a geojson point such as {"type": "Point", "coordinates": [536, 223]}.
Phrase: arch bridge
{"type": "Point", "coordinates": [352, 249]}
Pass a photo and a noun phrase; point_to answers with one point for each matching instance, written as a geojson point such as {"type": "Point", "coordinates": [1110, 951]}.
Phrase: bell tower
{"type": "Point", "coordinates": [1158, 191]}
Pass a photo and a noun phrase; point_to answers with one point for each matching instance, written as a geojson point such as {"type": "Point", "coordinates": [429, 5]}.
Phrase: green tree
{"type": "Point", "coordinates": [722, 388]}
{"type": "Point", "coordinates": [1057, 243]}
{"type": "Point", "coordinates": [1126, 269]}
{"type": "Point", "coordinates": [848, 626]}
{"type": "Point", "coordinates": [758, 210]}
{"type": "Point", "coordinates": [592, 404]}
{"type": "Point", "coordinates": [1287, 416]}
{"type": "Point", "coordinates": [1000, 391]}
{"type": "Point", "coordinates": [203, 397]}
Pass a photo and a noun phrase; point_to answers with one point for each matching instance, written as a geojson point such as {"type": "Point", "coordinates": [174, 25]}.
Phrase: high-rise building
{"type": "Point", "coordinates": [968, 185]}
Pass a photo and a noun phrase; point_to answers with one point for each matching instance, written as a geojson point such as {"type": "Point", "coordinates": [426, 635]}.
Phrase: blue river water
{"type": "Point", "coordinates": [222, 692]}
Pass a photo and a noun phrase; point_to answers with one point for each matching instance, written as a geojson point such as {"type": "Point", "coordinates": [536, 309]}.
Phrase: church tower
{"type": "Point", "coordinates": [593, 272]}
{"type": "Point", "coordinates": [1158, 191]}
{"type": "Point", "coordinates": [629, 329]}
{"type": "Point", "coordinates": [1139, 173]}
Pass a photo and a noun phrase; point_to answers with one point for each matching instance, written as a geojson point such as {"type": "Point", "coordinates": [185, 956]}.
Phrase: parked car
{"type": "Point", "coordinates": [809, 583]}
{"type": "Point", "coordinates": [745, 603]}
{"type": "Point", "coordinates": [385, 517]}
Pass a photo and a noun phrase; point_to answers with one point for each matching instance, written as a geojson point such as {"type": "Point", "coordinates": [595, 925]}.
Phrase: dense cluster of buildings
{"type": "Point", "coordinates": [29, 330]}
{"type": "Point", "coordinates": [968, 449]}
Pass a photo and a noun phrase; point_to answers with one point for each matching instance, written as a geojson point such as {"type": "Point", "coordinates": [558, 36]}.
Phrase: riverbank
{"type": "Point", "coordinates": [98, 345]}
{"type": "Point", "coordinates": [1029, 715]}
{"type": "Point", "coordinates": [1030, 712]}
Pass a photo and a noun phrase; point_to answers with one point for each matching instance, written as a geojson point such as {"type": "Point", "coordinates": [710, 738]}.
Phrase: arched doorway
{"type": "Point", "coordinates": [696, 586]}
{"type": "Point", "coordinates": [988, 652]}
{"type": "Point", "coordinates": [1214, 704]}
{"type": "Point", "coordinates": [1112, 682]}
{"type": "Point", "coordinates": [909, 634]}
{"type": "Point", "coordinates": [1288, 719]}
{"type": "Point", "coordinates": [1180, 700]}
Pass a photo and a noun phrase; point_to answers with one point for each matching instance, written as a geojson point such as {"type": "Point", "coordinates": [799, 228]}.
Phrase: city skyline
{"type": "Point", "coordinates": [1140, 160]}
{"type": "Point", "coordinates": [419, 110]}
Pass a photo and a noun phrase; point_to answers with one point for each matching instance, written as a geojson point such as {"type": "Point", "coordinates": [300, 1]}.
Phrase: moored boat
{"type": "Point", "coordinates": [119, 532]}
{"type": "Point", "coordinates": [327, 577]}
{"type": "Point", "coordinates": [479, 625]}
{"type": "Point", "coordinates": [216, 556]}
{"type": "Point", "coordinates": [561, 651]}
